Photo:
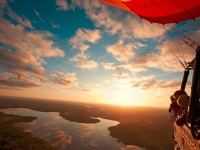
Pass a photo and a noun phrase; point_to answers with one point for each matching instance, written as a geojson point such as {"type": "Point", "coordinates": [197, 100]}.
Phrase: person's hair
{"type": "Point", "coordinates": [183, 101]}
{"type": "Point", "coordinates": [178, 93]}
{"type": "Point", "coordinates": [173, 99]}
{"type": "Point", "coordinates": [174, 105]}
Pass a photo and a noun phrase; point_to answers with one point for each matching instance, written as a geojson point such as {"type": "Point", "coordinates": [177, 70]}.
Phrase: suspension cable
{"type": "Point", "coordinates": [188, 41]}
{"type": "Point", "coordinates": [168, 47]}
{"type": "Point", "coordinates": [178, 36]}
{"type": "Point", "coordinates": [168, 32]}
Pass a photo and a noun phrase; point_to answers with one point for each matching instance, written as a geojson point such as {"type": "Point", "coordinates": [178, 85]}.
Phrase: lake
{"type": "Point", "coordinates": [64, 134]}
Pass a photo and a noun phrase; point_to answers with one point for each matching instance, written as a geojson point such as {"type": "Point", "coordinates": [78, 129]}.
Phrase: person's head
{"type": "Point", "coordinates": [173, 99]}
{"type": "Point", "coordinates": [175, 107]}
{"type": "Point", "coordinates": [183, 101]}
{"type": "Point", "coordinates": [178, 93]}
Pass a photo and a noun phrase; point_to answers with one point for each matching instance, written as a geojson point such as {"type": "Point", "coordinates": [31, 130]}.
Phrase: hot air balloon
{"type": "Point", "coordinates": [165, 12]}
{"type": "Point", "coordinates": [159, 11]}
{"type": "Point", "coordinates": [19, 76]}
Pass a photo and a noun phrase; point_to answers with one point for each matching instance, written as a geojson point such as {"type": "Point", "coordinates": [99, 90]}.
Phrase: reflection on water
{"type": "Point", "coordinates": [64, 134]}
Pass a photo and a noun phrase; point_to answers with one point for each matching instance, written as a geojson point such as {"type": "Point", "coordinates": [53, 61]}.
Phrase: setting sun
{"type": "Point", "coordinates": [124, 97]}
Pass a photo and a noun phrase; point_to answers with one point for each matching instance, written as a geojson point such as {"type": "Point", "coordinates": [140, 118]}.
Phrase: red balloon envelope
{"type": "Point", "coordinates": [160, 11]}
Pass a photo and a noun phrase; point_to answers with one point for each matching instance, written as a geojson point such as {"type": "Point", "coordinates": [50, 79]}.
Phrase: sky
{"type": "Point", "coordinates": [87, 51]}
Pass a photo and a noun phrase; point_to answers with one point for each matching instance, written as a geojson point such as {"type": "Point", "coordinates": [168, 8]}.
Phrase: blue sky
{"type": "Point", "coordinates": [90, 52]}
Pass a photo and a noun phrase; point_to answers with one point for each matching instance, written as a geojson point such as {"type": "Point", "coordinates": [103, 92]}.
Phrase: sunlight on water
{"type": "Point", "coordinates": [64, 134]}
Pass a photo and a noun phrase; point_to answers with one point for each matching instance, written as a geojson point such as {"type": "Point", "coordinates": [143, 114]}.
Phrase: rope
{"type": "Point", "coordinates": [182, 51]}
{"type": "Point", "coordinates": [158, 36]}
{"type": "Point", "coordinates": [163, 39]}
{"type": "Point", "coordinates": [168, 46]}
{"type": "Point", "coordinates": [168, 32]}
{"type": "Point", "coordinates": [185, 137]}
{"type": "Point", "coordinates": [177, 32]}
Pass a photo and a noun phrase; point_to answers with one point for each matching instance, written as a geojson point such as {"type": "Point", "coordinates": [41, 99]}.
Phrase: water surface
{"type": "Point", "coordinates": [64, 134]}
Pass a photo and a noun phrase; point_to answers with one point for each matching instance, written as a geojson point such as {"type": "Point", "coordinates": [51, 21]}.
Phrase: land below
{"type": "Point", "coordinates": [14, 138]}
{"type": "Point", "coordinates": [145, 127]}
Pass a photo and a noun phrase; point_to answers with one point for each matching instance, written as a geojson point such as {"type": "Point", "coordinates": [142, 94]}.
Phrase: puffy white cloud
{"type": "Point", "coordinates": [113, 20]}
{"type": "Point", "coordinates": [23, 51]}
{"type": "Point", "coordinates": [63, 5]}
{"type": "Point", "coordinates": [121, 75]}
{"type": "Point", "coordinates": [99, 14]}
{"type": "Point", "coordinates": [82, 61]}
{"type": "Point", "coordinates": [84, 35]}
{"type": "Point", "coordinates": [158, 84]}
{"type": "Point", "coordinates": [153, 60]}
{"type": "Point", "coordinates": [141, 29]}
{"type": "Point", "coordinates": [9, 83]}
{"type": "Point", "coordinates": [80, 57]}
{"type": "Point", "coordinates": [24, 22]}
{"type": "Point", "coordinates": [112, 66]}
{"type": "Point", "coordinates": [3, 3]}
{"type": "Point", "coordinates": [65, 79]}
{"type": "Point", "coordinates": [138, 44]}
{"type": "Point", "coordinates": [142, 78]}
{"type": "Point", "coordinates": [122, 52]}
{"type": "Point", "coordinates": [86, 88]}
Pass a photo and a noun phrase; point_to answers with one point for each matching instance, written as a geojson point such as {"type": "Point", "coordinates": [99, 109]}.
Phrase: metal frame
{"type": "Point", "coordinates": [193, 109]}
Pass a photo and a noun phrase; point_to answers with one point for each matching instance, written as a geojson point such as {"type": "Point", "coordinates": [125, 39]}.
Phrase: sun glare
{"type": "Point", "coordinates": [124, 98]}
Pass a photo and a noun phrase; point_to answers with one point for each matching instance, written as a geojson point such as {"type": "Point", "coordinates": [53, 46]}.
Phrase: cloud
{"type": "Point", "coordinates": [153, 60]}
{"type": "Point", "coordinates": [112, 66]}
{"type": "Point", "coordinates": [99, 14]}
{"type": "Point", "coordinates": [19, 58]}
{"type": "Point", "coordinates": [122, 52]}
{"type": "Point", "coordinates": [82, 36]}
{"type": "Point", "coordinates": [85, 129]}
{"type": "Point", "coordinates": [3, 3]}
{"type": "Point", "coordinates": [85, 134]}
{"type": "Point", "coordinates": [63, 5]}
{"type": "Point", "coordinates": [86, 88]}
{"type": "Point", "coordinates": [173, 49]}
{"type": "Point", "coordinates": [25, 70]}
{"type": "Point", "coordinates": [11, 88]}
{"type": "Point", "coordinates": [156, 84]}
{"type": "Point", "coordinates": [55, 25]}
{"type": "Point", "coordinates": [61, 140]}
{"type": "Point", "coordinates": [65, 79]}
{"type": "Point", "coordinates": [143, 78]}
{"type": "Point", "coordinates": [14, 16]}
{"type": "Point", "coordinates": [28, 126]}
{"type": "Point", "coordinates": [141, 29]}
{"type": "Point", "coordinates": [23, 51]}
{"type": "Point", "coordinates": [85, 126]}
{"type": "Point", "coordinates": [121, 75]}
{"type": "Point", "coordinates": [132, 147]}
{"type": "Point", "coordinates": [141, 63]}
{"type": "Point", "coordinates": [138, 44]}
{"type": "Point", "coordinates": [37, 14]}
{"type": "Point", "coordinates": [13, 82]}
{"type": "Point", "coordinates": [113, 21]}
{"type": "Point", "coordinates": [166, 58]}
{"type": "Point", "coordinates": [82, 61]}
